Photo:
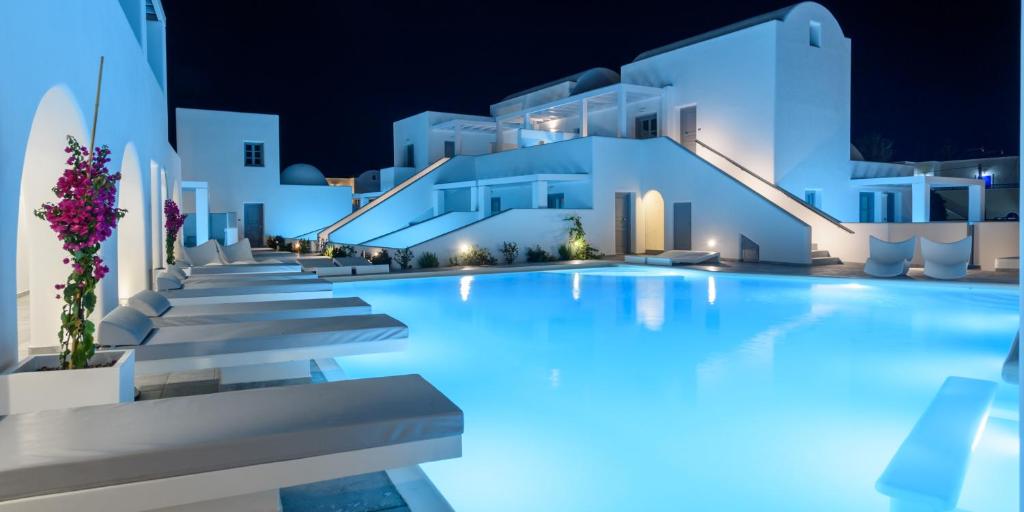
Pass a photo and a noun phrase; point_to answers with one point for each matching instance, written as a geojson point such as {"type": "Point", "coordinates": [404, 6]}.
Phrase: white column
{"type": "Point", "coordinates": [458, 138]}
{"type": "Point", "coordinates": [921, 200]}
{"type": "Point", "coordinates": [540, 195]}
{"type": "Point", "coordinates": [622, 130]}
{"type": "Point", "coordinates": [976, 203]}
{"type": "Point", "coordinates": [498, 135]}
{"type": "Point", "coordinates": [474, 204]}
{"type": "Point", "coordinates": [584, 118]}
{"type": "Point", "coordinates": [483, 201]}
{"type": "Point", "coordinates": [202, 215]}
{"type": "Point", "coordinates": [438, 202]}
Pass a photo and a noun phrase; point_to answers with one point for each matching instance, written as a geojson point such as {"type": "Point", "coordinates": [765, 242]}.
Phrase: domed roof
{"type": "Point", "coordinates": [302, 174]}
{"type": "Point", "coordinates": [595, 78]}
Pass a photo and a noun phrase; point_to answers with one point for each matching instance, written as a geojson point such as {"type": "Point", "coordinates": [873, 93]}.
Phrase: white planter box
{"type": "Point", "coordinates": [24, 389]}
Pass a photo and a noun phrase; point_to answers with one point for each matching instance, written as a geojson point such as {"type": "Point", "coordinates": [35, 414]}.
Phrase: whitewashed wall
{"type": "Point", "coordinates": [211, 144]}
{"type": "Point", "coordinates": [53, 50]}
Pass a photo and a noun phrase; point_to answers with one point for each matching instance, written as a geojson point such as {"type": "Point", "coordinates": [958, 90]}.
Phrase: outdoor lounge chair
{"type": "Point", "coordinates": [241, 290]}
{"type": "Point", "coordinates": [676, 257]}
{"type": "Point", "coordinates": [264, 342]}
{"type": "Point", "coordinates": [163, 314]}
{"type": "Point", "coordinates": [343, 266]}
{"type": "Point", "coordinates": [210, 258]}
{"type": "Point", "coordinates": [889, 259]}
{"type": "Point", "coordinates": [222, 451]}
{"type": "Point", "coordinates": [946, 261]}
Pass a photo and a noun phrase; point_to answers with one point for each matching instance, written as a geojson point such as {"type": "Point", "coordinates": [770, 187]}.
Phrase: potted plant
{"type": "Point", "coordinates": [83, 216]}
{"type": "Point", "coordinates": [173, 221]}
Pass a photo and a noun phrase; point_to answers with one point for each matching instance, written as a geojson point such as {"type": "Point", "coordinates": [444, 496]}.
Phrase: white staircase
{"type": "Point", "coordinates": [823, 257]}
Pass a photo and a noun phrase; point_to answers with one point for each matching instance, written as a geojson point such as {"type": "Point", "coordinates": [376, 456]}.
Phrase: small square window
{"type": "Point", "coordinates": [254, 154]}
{"type": "Point", "coordinates": [815, 34]}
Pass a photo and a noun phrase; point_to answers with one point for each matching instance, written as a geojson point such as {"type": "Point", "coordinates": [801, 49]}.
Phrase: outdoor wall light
{"type": "Point", "coordinates": [464, 248]}
{"type": "Point", "coordinates": [712, 242]}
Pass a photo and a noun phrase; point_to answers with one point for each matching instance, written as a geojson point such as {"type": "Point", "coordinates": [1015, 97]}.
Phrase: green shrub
{"type": "Point", "coordinates": [578, 248]}
{"type": "Point", "coordinates": [509, 251]}
{"type": "Point", "coordinates": [404, 258]}
{"type": "Point", "coordinates": [475, 256]}
{"type": "Point", "coordinates": [536, 254]}
{"type": "Point", "coordinates": [563, 253]}
{"type": "Point", "coordinates": [427, 260]}
{"type": "Point", "coordinates": [381, 257]}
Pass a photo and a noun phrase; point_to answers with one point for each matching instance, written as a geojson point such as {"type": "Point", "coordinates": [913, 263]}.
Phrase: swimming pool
{"type": "Point", "coordinates": [630, 388]}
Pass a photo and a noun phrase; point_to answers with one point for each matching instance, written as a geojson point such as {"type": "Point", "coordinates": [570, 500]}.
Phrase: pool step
{"type": "Point", "coordinates": [823, 257]}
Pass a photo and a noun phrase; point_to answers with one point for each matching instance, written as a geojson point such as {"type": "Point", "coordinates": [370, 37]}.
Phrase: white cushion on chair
{"type": "Point", "coordinates": [204, 254]}
{"type": "Point", "coordinates": [167, 281]}
{"type": "Point", "coordinates": [150, 303]}
{"type": "Point", "coordinates": [240, 252]}
{"type": "Point", "coordinates": [124, 326]}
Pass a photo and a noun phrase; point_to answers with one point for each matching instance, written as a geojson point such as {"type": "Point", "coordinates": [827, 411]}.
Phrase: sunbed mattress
{"type": "Point", "coordinates": [205, 340]}
{"type": "Point", "coordinates": [214, 280]}
{"type": "Point", "coordinates": [248, 287]}
{"type": "Point", "coordinates": [246, 268]}
{"type": "Point", "coordinates": [269, 310]}
{"type": "Point", "coordinates": [72, 449]}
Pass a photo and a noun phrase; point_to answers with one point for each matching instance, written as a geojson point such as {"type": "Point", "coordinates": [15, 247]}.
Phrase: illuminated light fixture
{"type": "Point", "coordinates": [712, 291]}
{"type": "Point", "coordinates": [464, 248]}
{"type": "Point", "coordinates": [712, 242]}
{"type": "Point", "coordinates": [296, 246]}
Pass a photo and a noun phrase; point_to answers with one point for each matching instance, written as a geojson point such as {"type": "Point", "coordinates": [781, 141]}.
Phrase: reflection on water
{"type": "Point", "coordinates": [712, 291]}
{"type": "Point", "coordinates": [650, 303]}
{"type": "Point", "coordinates": [465, 282]}
{"type": "Point", "coordinates": [576, 286]}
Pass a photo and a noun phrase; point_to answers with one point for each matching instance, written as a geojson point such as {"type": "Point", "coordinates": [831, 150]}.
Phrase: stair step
{"type": "Point", "coordinates": [820, 253]}
{"type": "Point", "coordinates": [830, 260]}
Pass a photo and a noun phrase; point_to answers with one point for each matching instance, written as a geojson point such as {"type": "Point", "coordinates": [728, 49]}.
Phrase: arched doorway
{"type": "Point", "coordinates": [39, 253]}
{"type": "Point", "coordinates": [131, 230]}
{"type": "Point", "coordinates": [654, 221]}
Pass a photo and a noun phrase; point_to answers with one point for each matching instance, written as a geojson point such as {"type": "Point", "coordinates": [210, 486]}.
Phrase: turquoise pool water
{"type": "Point", "coordinates": [639, 389]}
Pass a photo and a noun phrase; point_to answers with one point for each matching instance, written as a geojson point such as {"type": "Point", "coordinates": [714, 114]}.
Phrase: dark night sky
{"type": "Point", "coordinates": [339, 73]}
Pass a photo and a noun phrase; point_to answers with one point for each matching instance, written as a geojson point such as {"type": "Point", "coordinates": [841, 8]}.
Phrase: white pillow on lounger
{"type": "Point", "coordinates": [123, 326]}
{"type": "Point", "coordinates": [204, 254]}
{"type": "Point", "coordinates": [240, 252]}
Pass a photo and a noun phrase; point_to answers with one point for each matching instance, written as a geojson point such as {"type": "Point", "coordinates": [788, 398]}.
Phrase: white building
{"type": "Point", "coordinates": [52, 51]}
{"type": "Point", "coordinates": [737, 137]}
{"type": "Point", "coordinates": [237, 156]}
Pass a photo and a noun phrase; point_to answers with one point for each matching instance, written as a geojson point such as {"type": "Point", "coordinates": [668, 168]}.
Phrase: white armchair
{"type": "Point", "coordinates": [946, 261]}
{"type": "Point", "coordinates": [889, 259]}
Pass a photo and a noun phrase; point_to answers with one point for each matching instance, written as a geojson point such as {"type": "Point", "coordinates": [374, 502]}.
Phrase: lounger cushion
{"type": "Point", "coordinates": [178, 271]}
{"type": "Point", "coordinates": [124, 327]}
{"type": "Point", "coordinates": [240, 337]}
{"type": "Point", "coordinates": [205, 254]}
{"type": "Point", "coordinates": [72, 449]}
{"type": "Point", "coordinates": [251, 288]}
{"type": "Point", "coordinates": [180, 254]}
{"type": "Point", "coordinates": [246, 268]}
{"type": "Point", "coordinates": [167, 281]}
{"type": "Point", "coordinates": [240, 252]}
{"type": "Point", "coordinates": [263, 310]}
{"type": "Point", "coordinates": [149, 303]}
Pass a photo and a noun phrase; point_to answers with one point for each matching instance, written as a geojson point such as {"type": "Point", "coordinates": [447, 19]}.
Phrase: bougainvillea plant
{"type": "Point", "coordinates": [84, 215]}
{"type": "Point", "coordinates": [172, 224]}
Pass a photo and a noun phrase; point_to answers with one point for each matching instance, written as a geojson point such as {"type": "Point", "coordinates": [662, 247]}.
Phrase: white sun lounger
{"type": "Point", "coordinates": [343, 266]}
{"type": "Point", "coordinates": [163, 314]}
{"type": "Point", "coordinates": [223, 451]}
{"type": "Point", "coordinates": [246, 290]}
{"type": "Point", "coordinates": [927, 472]}
{"type": "Point", "coordinates": [946, 261]}
{"type": "Point", "coordinates": [194, 347]}
{"type": "Point", "coordinates": [676, 257]}
{"type": "Point", "coordinates": [889, 259]}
